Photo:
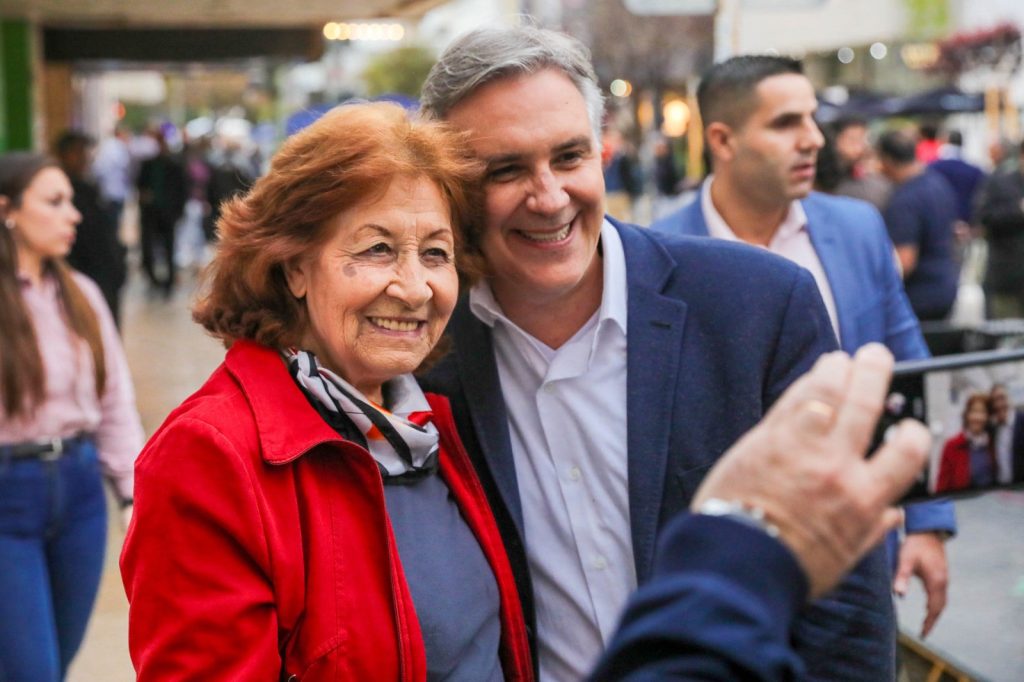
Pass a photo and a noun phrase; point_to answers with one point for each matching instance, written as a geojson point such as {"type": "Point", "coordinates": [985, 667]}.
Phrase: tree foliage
{"type": "Point", "coordinates": [651, 51]}
{"type": "Point", "coordinates": [399, 71]}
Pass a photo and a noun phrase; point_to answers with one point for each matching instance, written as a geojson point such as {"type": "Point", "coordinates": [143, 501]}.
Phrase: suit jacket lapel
{"type": "Point", "coordinates": [655, 330]}
{"type": "Point", "coordinates": [486, 404]}
{"type": "Point", "coordinates": [693, 221]}
{"type": "Point", "coordinates": [837, 270]}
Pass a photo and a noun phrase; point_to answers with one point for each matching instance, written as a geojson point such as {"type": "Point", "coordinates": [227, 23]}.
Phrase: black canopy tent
{"type": "Point", "coordinates": [938, 102]}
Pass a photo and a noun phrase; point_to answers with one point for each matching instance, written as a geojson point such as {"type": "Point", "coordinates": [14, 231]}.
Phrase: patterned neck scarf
{"type": "Point", "coordinates": [402, 439]}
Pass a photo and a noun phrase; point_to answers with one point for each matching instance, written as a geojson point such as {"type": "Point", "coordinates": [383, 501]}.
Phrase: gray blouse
{"type": "Point", "coordinates": [453, 587]}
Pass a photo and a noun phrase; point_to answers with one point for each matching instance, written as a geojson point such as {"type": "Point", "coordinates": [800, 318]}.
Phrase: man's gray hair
{"type": "Point", "coordinates": [487, 54]}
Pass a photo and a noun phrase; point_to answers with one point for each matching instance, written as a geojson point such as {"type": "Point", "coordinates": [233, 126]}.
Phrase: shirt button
{"type": "Point", "coordinates": [549, 388]}
{"type": "Point", "coordinates": [574, 473]}
{"type": "Point", "coordinates": [600, 563]}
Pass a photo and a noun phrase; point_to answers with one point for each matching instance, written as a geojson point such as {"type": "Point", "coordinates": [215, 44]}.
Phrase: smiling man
{"type": "Point", "coordinates": [598, 369]}
{"type": "Point", "coordinates": [758, 113]}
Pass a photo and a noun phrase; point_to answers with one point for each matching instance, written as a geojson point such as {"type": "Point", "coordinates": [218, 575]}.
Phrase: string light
{"type": "Point", "coordinates": [376, 31]}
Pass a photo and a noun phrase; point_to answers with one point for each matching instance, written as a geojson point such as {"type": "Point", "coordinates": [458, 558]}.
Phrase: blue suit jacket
{"type": "Point", "coordinates": [851, 241]}
{"type": "Point", "coordinates": [716, 331]}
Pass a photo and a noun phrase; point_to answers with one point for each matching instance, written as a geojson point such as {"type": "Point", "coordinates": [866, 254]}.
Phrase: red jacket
{"type": "Point", "coordinates": [955, 465]}
{"type": "Point", "coordinates": [261, 549]}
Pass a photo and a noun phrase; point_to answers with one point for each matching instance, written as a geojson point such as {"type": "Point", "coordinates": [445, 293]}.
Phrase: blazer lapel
{"type": "Point", "coordinates": [837, 270]}
{"type": "Point", "coordinates": [655, 331]}
{"type": "Point", "coordinates": [693, 221]}
{"type": "Point", "coordinates": [486, 405]}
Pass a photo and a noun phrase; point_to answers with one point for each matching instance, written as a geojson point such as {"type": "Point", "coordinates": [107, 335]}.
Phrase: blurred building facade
{"type": "Point", "coordinates": [51, 51]}
{"type": "Point", "coordinates": [893, 46]}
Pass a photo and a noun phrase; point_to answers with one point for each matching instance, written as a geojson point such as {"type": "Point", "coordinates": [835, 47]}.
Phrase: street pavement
{"type": "Point", "coordinates": [982, 628]}
{"type": "Point", "coordinates": [170, 357]}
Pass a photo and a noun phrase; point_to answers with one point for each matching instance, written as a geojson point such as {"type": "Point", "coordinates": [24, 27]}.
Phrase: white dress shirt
{"type": "Point", "coordinates": [791, 240]}
{"type": "Point", "coordinates": [567, 422]}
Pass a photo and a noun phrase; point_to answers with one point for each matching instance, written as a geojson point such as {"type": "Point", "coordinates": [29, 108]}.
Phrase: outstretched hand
{"type": "Point", "coordinates": [804, 465]}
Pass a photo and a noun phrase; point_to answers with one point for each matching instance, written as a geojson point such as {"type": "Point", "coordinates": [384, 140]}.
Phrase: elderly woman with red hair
{"type": "Point", "coordinates": [968, 458]}
{"type": "Point", "coordinates": [310, 513]}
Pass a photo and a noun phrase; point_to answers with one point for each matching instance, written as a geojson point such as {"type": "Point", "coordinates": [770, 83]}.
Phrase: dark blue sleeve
{"type": "Point", "coordinates": [718, 607]}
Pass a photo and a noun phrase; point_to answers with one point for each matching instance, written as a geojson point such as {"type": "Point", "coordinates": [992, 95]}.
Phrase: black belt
{"type": "Point", "coordinates": [46, 449]}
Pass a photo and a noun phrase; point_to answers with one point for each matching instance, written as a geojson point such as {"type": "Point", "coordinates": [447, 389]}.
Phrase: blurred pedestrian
{"type": "Point", "coordinates": [231, 175]}
{"type": "Point", "coordinates": [621, 175]}
{"type": "Point", "coordinates": [1002, 152]}
{"type": "Point", "coordinates": [1001, 214]}
{"type": "Point", "coordinates": [928, 142]}
{"type": "Point", "coordinates": [920, 217]}
{"type": "Point", "coordinates": [162, 196]}
{"type": "Point", "coordinates": [668, 179]}
{"type": "Point", "coordinates": [193, 232]}
{"type": "Point", "coordinates": [965, 178]}
{"type": "Point", "coordinates": [113, 169]}
{"type": "Point", "coordinates": [760, 194]}
{"type": "Point", "coordinates": [828, 170]}
{"type": "Point", "coordinates": [67, 413]}
{"type": "Point", "coordinates": [97, 251]}
{"type": "Point", "coordinates": [856, 163]}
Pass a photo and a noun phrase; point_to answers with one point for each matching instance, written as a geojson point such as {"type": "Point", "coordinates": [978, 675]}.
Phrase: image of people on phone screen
{"type": "Point", "coordinates": [968, 458]}
{"type": "Point", "coordinates": [1008, 434]}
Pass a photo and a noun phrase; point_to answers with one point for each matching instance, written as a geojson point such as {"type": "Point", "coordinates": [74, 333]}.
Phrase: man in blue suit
{"type": "Point", "coordinates": [1008, 433]}
{"type": "Point", "coordinates": [730, 579]}
{"type": "Point", "coordinates": [758, 113]}
{"type": "Point", "coordinates": [599, 369]}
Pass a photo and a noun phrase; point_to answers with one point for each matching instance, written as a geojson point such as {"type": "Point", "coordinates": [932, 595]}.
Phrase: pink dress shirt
{"type": "Point", "coordinates": [71, 404]}
{"type": "Point", "coordinates": [791, 240]}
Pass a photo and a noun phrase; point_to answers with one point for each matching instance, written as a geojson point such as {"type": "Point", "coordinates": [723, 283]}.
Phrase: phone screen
{"type": "Point", "coordinates": [973, 404]}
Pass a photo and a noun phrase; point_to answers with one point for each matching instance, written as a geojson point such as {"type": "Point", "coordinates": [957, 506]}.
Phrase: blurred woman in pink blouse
{"type": "Point", "coordinates": [67, 413]}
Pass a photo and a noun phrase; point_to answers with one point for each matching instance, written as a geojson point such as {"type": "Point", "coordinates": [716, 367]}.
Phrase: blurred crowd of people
{"type": "Point", "coordinates": [942, 212]}
{"type": "Point", "coordinates": [958, 228]}
{"type": "Point", "coordinates": [990, 446]}
{"type": "Point", "coordinates": [178, 194]}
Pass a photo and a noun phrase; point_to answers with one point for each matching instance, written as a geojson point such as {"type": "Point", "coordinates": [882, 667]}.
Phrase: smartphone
{"type": "Point", "coordinates": [973, 404]}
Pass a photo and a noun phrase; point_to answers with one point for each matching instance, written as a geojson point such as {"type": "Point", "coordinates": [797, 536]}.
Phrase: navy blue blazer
{"type": "Point", "coordinates": [856, 253]}
{"type": "Point", "coordinates": [716, 331]}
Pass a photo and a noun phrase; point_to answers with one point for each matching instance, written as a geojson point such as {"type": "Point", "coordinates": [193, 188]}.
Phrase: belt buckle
{"type": "Point", "coordinates": [55, 451]}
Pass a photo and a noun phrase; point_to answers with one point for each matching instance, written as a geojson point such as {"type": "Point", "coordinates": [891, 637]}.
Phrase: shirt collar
{"type": "Point", "coordinates": [794, 222]}
{"type": "Point", "coordinates": [613, 296]}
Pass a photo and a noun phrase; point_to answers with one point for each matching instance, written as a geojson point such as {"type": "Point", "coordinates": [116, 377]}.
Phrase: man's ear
{"type": "Point", "coordinates": [719, 138]}
{"type": "Point", "coordinates": [295, 274]}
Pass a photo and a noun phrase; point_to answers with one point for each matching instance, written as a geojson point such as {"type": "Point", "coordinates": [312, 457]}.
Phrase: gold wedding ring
{"type": "Point", "coordinates": [820, 407]}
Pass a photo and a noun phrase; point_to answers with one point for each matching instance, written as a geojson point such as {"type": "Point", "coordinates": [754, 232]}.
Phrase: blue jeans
{"type": "Point", "coordinates": [53, 528]}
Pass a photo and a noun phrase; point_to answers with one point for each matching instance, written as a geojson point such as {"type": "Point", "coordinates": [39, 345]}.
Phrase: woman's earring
{"type": "Point", "coordinates": [9, 223]}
